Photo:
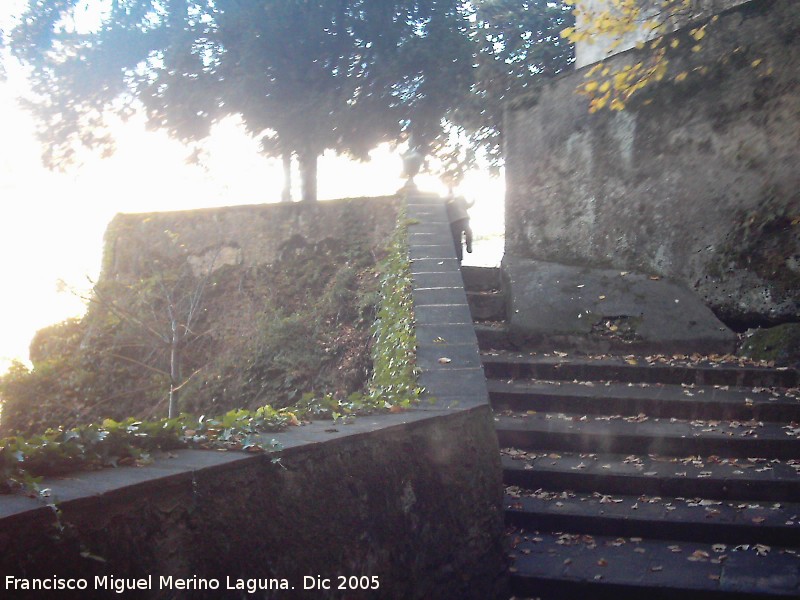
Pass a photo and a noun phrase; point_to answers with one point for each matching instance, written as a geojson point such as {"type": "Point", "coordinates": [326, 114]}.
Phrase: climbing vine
{"type": "Point", "coordinates": [394, 377]}
{"type": "Point", "coordinates": [393, 385]}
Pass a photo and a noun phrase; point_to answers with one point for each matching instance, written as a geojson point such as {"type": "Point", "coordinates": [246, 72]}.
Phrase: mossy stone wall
{"type": "Point", "coordinates": [248, 235]}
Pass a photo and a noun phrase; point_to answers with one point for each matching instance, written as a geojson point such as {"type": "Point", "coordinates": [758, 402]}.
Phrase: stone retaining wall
{"type": "Point", "coordinates": [250, 235]}
{"type": "Point", "coordinates": [407, 505]}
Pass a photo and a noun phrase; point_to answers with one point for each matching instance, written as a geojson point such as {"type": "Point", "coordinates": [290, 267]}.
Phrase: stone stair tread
{"type": "Point", "coordinates": [636, 369]}
{"type": "Point", "coordinates": [566, 565]}
{"type": "Point", "coordinates": [491, 325]}
{"type": "Point", "coordinates": [492, 334]}
{"type": "Point", "coordinates": [653, 466]}
{"type": "Point", "coordinates": [657, 399]}
{"type": "Point", "coordinates": [612, 431]}
{"type": "Point", "coordinates": [763, 479]}
{"type": "Point", "coordinates": [486, 305]}
{"type": "Point", "coordinates": [480, 278]}
{"type": "Point", "coordinates": [691, 519]}
{"type": "Point", "coordinates": [658, 391]}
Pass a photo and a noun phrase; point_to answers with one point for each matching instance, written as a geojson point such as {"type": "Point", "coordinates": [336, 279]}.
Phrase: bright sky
{"type": "Point", "coordinates": [52, 224]}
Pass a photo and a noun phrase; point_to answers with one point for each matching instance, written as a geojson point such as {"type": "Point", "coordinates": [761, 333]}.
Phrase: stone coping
{"type": "Point", "coordinates": [450, 387]}
{"type": "Point", "coordinates": [447, 348]}
{"type": "Point", "coordinates": [178, 465]}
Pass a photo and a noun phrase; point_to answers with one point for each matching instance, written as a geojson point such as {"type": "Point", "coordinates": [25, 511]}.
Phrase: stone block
{"type": "Point", "coordinates": [437, 280]}
{"type": "Point", "coordinates": [574, 306]}
{"type": "Point", "coordinates": [432, 296]}
{"type": "Point", "coordinates": [442, 313]}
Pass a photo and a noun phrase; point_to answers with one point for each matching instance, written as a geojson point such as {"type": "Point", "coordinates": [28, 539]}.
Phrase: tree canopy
{"type": "Point", "coordinates": [518, 45]}
{"type": "Point", "coordinates": [305, 75]}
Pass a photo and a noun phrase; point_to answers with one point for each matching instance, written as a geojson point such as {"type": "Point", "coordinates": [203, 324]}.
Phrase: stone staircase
{"type": "Point", "coordinates": [642, 476]}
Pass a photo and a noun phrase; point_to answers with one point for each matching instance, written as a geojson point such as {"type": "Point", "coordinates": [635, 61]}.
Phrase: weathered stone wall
{"type": "Point", "coordinates": [248, 235]}
{"type": "Point", "coordinates": [411, 500]}
{"type": "Point", "coordinates": [697, 181]}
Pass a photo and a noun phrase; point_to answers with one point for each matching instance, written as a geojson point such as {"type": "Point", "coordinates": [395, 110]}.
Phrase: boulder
{"type": "Point", "coordinates": [552, 306]}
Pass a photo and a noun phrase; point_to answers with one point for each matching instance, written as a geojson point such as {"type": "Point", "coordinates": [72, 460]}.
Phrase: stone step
{"type": "Point", "coordinates": [575, 432]}
{"type": "Point", "coordinates": [487, 305]}
{"type": "Point", "coordinates": [477, 279]}
{"type": "Point", "coordinates": [493, 335]}
{"type": "Point", "coordinates": [655, 400]}
{"type": "Point", "coordinates": [509, 365]}
{"type": "Point", "coordinates": [564, 566]}
{"type": "Point", "coordinates": [712, 477]}
{"type": "Point", "coordinates": [653, 517]}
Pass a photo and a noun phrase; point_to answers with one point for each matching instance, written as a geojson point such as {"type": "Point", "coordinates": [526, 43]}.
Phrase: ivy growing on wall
{"type": "Point", "coordinates": [394, 375]}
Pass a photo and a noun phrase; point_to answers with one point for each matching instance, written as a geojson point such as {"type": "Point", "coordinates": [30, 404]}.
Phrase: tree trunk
{"type": "Point", "coordinates": [286, 194]}
{"type": "Point", "coordinates": [174, 374]}
{"type": "Point", "coordinates": [308, 175]}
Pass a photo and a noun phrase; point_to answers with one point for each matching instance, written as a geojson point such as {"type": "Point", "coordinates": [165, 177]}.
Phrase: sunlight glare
{"type": "Point", "coordinates": [52, 224]}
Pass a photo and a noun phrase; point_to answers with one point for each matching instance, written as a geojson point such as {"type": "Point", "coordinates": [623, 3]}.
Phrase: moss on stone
{"type": "Point", "coordinates": [780, 344]}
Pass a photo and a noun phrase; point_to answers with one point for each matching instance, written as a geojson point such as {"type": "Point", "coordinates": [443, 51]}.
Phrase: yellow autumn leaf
{"type": "Point", "coordinates": [756, 62]}
{"type": "Point", "coordinates": [681, 76]}
{"type": "Point", "coordinates": [593, 70]}
{"type": "Point", "coordinates": [605, 86]}
{"type": "Point", "coordinates": [565, 33]}
{"type": "Point", "coordinates": [674, 43]}
{"type": "Point", "coordinates": [600, 102]}
{"type": "Point", "coordinates": [697, 48]}
{"type": "Point", "coordinates": [590, 86]}
{"type": "Point", "coordinates": [699, 33]}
